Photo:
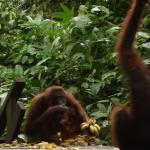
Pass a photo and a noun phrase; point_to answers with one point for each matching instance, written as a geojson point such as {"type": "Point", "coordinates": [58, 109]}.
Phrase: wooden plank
{"type": "Point", "coordinates": [15, 116]}
{"type": "Point", "coordinates": [13, 95]}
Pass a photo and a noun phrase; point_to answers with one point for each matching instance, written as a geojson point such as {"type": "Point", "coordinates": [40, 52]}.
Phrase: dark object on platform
{"type": "Point", "coordinates": [12, 112]}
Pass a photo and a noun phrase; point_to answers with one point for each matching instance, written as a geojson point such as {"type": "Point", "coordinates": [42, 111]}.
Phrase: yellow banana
{"type": "Point", "coordinates": [92, 129]}
{"type": "Point", "coordinates": [96, 132]}
{"type": "Point", "coordinates": [92, 125]}
{"type": "Point", "coordinates": [97, 126]}
{"type": "Point", "coordinates": [84, 125]}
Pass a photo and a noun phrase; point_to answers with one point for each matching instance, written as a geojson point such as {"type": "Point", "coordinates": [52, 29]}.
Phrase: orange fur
{"type": "Point", "coordinates": [53, 111]}
{"type": "Point", "coordinates": [130, 124]}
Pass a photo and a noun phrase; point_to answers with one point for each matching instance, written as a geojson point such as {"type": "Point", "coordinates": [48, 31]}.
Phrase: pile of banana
{"type": "Point", "coordinates": [92, 126]}
{"type": "Point", "coordinates": [41, 145]}
{"type": "Point", "coordinates": [79, 140]}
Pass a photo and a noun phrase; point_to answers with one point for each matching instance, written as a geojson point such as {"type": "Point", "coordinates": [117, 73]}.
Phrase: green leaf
{"type": "Point", "coordinates": [19, 70]}
{"type": "Point", "coordinates": [29, 19]}
{"type": "Point", "coordinates": [113, 30]}
{"type": "Point", "coordinates": [65, 8]}
{"type": "Point", "coordinates": [66, 15]}
{"type": "Point", "coordinates": [36, 21]}
{"type": "Point", "coordinates": [143, 35]}
{"type": "Point", "coordinates": [95, 87]}
{"type": "Point", "coordinates": [146, 45]}
{"type": "Point", "coordinates": [104, 9]}
{"type": "Point", "coordinates": [24, 59]}
{"type": "Point", "coordinates": [82, 10]}
{"type": "Point", "coordinates": [98, 115]}
{"type": "Point", "coordinates": [73, 90]}
{"type": "Point", "coordinates": [81, 21]}
{"type": "Point", "coordinates": [42, 61]}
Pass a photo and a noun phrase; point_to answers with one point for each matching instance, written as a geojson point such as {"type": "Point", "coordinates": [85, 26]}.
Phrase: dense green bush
{"type": "Point", "coordinates": [76, 52]}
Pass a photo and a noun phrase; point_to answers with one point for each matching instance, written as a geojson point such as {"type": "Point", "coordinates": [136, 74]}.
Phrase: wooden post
{"type": "Point", "coordinates": [11, 113]}
{"type": "Point", "coordinates": [14, 120]}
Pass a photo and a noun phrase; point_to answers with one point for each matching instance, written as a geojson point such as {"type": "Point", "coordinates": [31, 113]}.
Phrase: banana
{"type": "Point", "coordinates": [97, 126]}
{"type": "Point", "coordinates": [92, 129]}
{"type": "Point", "coordinates": [92, 125]}
{"type": "Point", "coordinates": [96, 132]}
{"type": "Point", "coordinates": [84, 125]}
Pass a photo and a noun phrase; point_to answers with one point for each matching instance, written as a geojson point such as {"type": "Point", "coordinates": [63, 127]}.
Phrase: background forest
{"type": "Point", "coordinates": [69, 43]}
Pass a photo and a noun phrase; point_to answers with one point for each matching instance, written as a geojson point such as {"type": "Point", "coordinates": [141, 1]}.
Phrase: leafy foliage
{"type": "Point", "coordinates": [55, 47]}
